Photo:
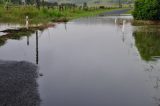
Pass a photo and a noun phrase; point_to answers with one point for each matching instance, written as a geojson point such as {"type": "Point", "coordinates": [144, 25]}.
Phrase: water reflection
{"type": "Point", "coordinates": [104, 20]}
{"type": "Point", "coordinates": [27, 40]}
{"type": "Point", "coordinates": [65, 26]}
{"type": "Point", "coordinates": [147, 41]}
{"type": "Point", "coordinates": [95, 62]}
{"type": "Point", "coordinates": [15, 34]}
{"type": "Point", "coordinates": [37, 53]}
{"type": "Point", "coordinates": [152, 71]}
{"type": "Point", "coordinates": [18, 84]}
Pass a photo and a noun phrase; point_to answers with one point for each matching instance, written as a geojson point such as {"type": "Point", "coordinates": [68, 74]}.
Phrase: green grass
{"type": "Point", "coordinates": [144, 22]}
{"type": "Point", "coordinates": [44, 15]}
{"type": "Point", "coordinates": [129, 12]}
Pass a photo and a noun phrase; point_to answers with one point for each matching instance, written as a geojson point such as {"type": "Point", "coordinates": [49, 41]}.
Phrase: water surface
{"type": "Point", "coordinates": [94, 61]}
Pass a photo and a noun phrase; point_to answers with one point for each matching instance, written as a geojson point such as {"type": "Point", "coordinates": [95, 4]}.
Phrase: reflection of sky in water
{"type": "Point", "coordinates": [89, 62]}
{"type": "Point", "coordinates": [101, 20]}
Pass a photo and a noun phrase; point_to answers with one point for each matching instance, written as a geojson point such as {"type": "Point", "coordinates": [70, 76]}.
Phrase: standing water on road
{"type": "Point", "coordinates": [97, 61]}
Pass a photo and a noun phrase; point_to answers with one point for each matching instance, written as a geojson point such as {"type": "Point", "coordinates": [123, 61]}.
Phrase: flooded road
{"type": "Point", "coordinates": [97, 61]}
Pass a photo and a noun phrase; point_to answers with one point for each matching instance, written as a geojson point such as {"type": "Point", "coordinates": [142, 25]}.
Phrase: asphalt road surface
{"type": "Point", "coordinates": [18, 85]}
{"type": "Point", "coordinates": [115, 12]}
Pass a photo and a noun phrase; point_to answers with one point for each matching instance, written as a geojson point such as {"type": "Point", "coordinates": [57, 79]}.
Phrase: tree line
{"type": "Point", "coordinates": [38, 3]}
{"type": "Point", "coordinates": [18, 1]}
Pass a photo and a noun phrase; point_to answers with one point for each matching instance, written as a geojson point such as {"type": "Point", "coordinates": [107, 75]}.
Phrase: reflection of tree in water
{"type": "Point", "coordinates": [18, 85]}
{"type": "Point", "coordinates": [147, 41]}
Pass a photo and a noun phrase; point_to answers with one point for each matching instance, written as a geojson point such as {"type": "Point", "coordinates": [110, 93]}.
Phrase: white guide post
{"type": "Point", "coordinates": [27, 23]}
{"type": "Point", "coordinates": [123, 27]}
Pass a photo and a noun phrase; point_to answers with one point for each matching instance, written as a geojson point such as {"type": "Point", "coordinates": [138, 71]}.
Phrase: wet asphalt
{"type": "Point", "coordinates": [18, 85]}
{"type": "Point", "coordinates": [115, 12]}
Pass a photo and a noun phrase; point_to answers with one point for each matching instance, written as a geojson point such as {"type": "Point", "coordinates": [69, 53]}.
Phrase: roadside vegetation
{"type": "Point", "coordinates": [129, 12]}
{"type": "Point", "coordinates": [147, 10]}
{"type": "Point", "coordinates": [17, 14]}
{"type": "Point", "coordinates": [41, 11]}
{"type": "Point", "coordinates": [42, 15]}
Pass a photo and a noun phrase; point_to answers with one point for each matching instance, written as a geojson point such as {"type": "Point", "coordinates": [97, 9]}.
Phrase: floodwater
{"type": "Point", "coordinates": [96, 61]}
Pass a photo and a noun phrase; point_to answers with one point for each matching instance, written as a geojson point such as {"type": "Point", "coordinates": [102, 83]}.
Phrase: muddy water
{"type": "Point", "coordinates": [94, 61]}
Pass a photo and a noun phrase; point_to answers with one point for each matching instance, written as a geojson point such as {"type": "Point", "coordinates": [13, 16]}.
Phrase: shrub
{"type": "Point", "coordinates": [147, 10]}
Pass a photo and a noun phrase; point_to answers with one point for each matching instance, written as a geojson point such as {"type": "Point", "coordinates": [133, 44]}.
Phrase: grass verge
{"type": "Point", "coordinates": [45, 15]}
{"type": "Point", "coordinates": [145, 22]}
